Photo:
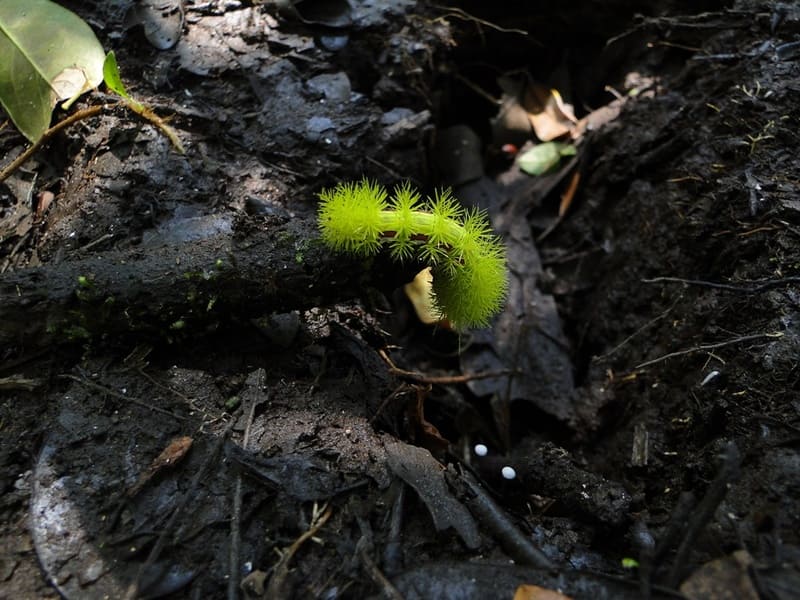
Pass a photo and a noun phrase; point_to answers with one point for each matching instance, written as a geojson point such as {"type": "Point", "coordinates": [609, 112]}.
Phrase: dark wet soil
{"type": "Point", "coordinates": [199, 400]}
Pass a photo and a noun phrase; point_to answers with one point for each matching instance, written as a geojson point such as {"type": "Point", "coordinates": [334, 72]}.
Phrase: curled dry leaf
{"type": "Point", "coordinates": [550, 116]}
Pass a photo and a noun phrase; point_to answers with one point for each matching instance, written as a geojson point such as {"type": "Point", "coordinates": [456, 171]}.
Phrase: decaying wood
{"type": "Point", "coordinates": [275, 266]}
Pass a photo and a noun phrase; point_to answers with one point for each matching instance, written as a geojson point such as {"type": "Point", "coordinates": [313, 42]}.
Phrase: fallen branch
{"type": "Point", "coordinates": [174, 292]}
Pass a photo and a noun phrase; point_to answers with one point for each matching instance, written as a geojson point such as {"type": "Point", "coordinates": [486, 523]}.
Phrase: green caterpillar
{"type": "Point", "coordinates": [467, 260]}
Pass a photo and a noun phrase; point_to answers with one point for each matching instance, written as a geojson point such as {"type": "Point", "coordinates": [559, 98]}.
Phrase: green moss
{"type": "Point", "coordinates": [75, 333]}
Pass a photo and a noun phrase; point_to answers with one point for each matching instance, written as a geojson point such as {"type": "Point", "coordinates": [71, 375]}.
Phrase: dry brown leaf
{"type": "Point", "coordinates": [550, 116]}
{"type": "Point", "coordinates": [534, 592]}
{"type": "Point", "coordinates": [172, 454]}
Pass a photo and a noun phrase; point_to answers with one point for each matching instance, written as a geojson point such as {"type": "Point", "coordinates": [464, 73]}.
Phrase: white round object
{"type": "Point", "coordinates": [481, 450]}
{"type": "Point", "coordinates": [509, 473]}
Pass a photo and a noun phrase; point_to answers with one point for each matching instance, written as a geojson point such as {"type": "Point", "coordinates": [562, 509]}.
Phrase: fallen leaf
{"type": "Point", "coordinates": [534, 592]}
{"type": "Point", "coordinates": [550, 116]}
{"type": "Point", "coordinates": [543, 158]}
{"type": "Point", "coordinates": [49, 54]}
{"type": "Point", "coordinates": [171, 455]}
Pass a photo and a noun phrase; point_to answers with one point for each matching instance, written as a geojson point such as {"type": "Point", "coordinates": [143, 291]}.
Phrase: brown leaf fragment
{"type": "Point", "coordinates": [550, 116]}
{"type": "Point", "coordinates": [534, 592]}
{"type": "Point", "coordinates": [170, 456]}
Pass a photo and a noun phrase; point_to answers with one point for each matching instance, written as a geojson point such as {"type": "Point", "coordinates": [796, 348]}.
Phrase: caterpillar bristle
{"type": "Point", "coordinates": [470, 278]}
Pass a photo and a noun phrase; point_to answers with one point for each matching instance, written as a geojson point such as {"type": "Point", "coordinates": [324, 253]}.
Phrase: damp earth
{"type": "Point", "coordinates": [199, 400]}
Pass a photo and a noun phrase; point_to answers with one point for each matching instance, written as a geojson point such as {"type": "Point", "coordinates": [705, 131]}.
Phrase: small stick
{"type": "Point", "coordinates": [651, 322]}
{"type": "Point", "coordinates": [729, 471]}
{"type": "Point", "coordinates": [106, 390]}
{"type": "Point", "coordinates": [389, 590]}
{"type": "Point", "coordinates": [440, 379]}
{"type": "Point", "coordinates": [518, 546]}
{"type": "Point", "coordinates": [460, 13]}
{"type": "Point", "coordinates": [236, 516]}
{"type": "Point", "coordinates": [275, 589]}
{"type": "Point", "coordinates": [147, 114]}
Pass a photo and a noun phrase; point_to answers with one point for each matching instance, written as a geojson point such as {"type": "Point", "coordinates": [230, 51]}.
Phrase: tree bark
{"type": "Point", "coordinates": [154, 292]}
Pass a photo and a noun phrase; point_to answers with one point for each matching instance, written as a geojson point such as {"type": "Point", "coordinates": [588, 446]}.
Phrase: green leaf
{"type": "Point", "coordinates": [543, 158]}
{"type": "Point", "coordinates": [49, 55]}
{"type": "Point", "coordinates": [568, 150]}
{"type": "Point", "coordinates": [111, 76]}
{"type": "Point", "coordinates": [114, 82]}
{"type": "Point", "coordinates": [630, 563]}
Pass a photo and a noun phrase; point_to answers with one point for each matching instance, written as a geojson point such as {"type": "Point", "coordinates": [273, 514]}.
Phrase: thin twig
{"type": "Point", "coordinates": [479, 90]}
{"type": "Point", "coordinates": [236, 516]}
{"type": "Point", "coordinates": [386, 168]}
{"type": "Point", "coordinates": [17, 382]}
{"type": "Point", "coordinates": [440, 379]}
{"type": "Point", "coordinates": [100, 240]}
{"type": "Point", "coordinates": [624, 342]}
{"type": "Point", "coordinates": [403, 388]}
{"type": "Point", "coordinates": [460, 13]}
{"type": "Point", "coordinates": [705, 347]}
{"type": "Point", "coordinates": [147, 113]}
{"type": "Point", "coordinates": [106, 390]}
{"type": "Point", "coordinates": [745, 289]}
{"type": "Point", "coordinates": [275, 589]}
{"type": "Point", "coordinates": [79, 115]}
{"type": "Point", "coordinates": [363, 547]}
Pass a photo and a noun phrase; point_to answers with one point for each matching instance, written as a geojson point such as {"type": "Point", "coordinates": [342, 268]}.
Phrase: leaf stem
{"type": "Point", "coordinates": [146, 113]}
{"type": "Point", "coordinates": [79, 115]}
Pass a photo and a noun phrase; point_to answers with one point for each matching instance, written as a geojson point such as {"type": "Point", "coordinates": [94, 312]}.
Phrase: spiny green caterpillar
{"type": "Point", "coordinates": [467, 260]}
